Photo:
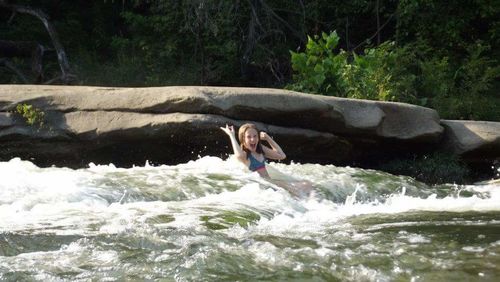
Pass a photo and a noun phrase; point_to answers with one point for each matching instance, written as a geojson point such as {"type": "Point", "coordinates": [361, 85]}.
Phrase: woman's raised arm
{"type": "Point", "coordinates": [238, 152]}
{"type": "Point", "coordinates": [275, 152]}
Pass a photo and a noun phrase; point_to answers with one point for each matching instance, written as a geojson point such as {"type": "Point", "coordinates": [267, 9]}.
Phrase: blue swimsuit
{"type": "Point", "coordinates": [256, 164]}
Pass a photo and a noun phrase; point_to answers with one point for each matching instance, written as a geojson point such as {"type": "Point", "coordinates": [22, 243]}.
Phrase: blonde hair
{"type": "Point", "coordinates": [241, 137]}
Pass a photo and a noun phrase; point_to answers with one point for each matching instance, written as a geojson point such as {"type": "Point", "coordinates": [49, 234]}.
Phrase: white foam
{"type": "Point", "coordinates": [116, 198]}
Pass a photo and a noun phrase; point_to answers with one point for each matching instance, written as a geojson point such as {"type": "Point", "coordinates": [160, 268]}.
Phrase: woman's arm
{"type": "Point", "coordinates": [238, 152]}
{"type": "Point", "coordinates": [275, 152]}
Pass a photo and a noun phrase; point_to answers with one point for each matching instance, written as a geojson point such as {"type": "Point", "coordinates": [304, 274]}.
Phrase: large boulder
{"type": "Point", "coordinates": [475, 141]}
{"type": "Point", "coordinates": [172, 124]}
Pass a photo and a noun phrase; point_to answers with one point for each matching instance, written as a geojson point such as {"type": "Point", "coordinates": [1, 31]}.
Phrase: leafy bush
{"type": "Point", "coordinates": [467, 90]}
{"type": "Point", "coordinates": [32, 115]}
{"type": "Point", "coordinates": [381, 74]}
{"type": "Point", "coordinates": [319, 70]}
{"type": "Point", "coordinates": [413, 73]}
{"type": "Point", "coordinates": [378, 74]}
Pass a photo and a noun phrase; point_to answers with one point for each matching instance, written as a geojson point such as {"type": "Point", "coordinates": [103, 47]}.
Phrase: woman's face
{"type": "Point", "coordinates": [251, 139]}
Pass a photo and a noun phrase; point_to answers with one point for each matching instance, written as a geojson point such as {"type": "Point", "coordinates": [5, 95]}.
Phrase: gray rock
{"type": "Point", "coordinates": [477, 140]}
{"type": "Point", "coordinates": [172, 124]}
{"type": "Point", "coordinates": [271, 106]}
{"type": "Point", "coordinates": [6, 120]}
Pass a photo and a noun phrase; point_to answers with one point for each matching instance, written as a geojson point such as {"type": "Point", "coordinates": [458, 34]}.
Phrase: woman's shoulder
{"type": "Point", "coordinates": [243, 156]}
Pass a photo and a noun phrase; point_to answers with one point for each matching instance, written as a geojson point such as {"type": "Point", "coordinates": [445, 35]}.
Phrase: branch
{"type": "Point", "coordinates": [252, 37]}
{"type": "Point", "coordinates": [373, 36]}
{"type": "Point", "coordinates": [302, 37]}
{"type": "Point", "coordinates": [8, 64]}
{"type": "Point", "coordinates": [256, 32]}
{"type": "Point", "coordinates": [61, 54]}
{"type": "Point", "coordinates": [303, 13]}
{"type": "Point", "coordinates": [11, 17]}
{"type": "Point", "coordinates": [59, 78]}
{"type": "Point", "coordinates": [377, 8]}
{"type": "Point", "coordinates": [27, 49]}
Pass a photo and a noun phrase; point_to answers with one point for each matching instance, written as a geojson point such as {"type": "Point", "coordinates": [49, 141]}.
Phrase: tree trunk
{"type": "Point", "coordinates": [252, 37]}
{"type": "Point", "coordinates": [61, 54]}
{"type": "Point", "coordinates": [378, 21]}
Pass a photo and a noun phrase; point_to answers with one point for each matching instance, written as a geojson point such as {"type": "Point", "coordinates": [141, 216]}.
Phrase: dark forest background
{"type": "Point", "coordinates": [439, 54]}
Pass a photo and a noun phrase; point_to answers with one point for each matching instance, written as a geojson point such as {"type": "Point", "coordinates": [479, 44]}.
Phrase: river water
{"type": "Point", "coordinates": [212, 220]}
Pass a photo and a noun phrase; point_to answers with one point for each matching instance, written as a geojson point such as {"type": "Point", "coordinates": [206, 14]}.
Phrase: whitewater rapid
{"type": "Point", "coordinates": [212, 219]}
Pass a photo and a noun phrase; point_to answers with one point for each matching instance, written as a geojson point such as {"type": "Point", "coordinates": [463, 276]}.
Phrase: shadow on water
{"type": "Point", "coordinates": [462, 227]}
{"type": "Point", "coordinates": [13, 244]}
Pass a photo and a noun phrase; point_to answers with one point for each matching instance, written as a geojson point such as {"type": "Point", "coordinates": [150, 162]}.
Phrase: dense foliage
{"type": "Point", "coordinates": [378, 74]}
{"type": "Point", "coordinates": [441, 54]}
{"type": "Point", "coordinates": [463, 89]}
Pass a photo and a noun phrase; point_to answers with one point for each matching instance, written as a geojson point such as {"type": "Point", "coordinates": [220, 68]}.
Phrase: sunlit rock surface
{"type": "Point", "coordinates": [475, 140]}
{"type": "Point", "coordinates": [173, 124]}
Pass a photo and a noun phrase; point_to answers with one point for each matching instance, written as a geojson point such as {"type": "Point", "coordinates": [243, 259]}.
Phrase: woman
{"type": "Point", "coordinates": [250, 151]}
{"type": "Point", "coordinates": [253, 154]}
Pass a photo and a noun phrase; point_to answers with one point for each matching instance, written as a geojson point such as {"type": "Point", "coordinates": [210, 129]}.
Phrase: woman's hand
{"type": "Point", "coordinates": [264, 136]}
{"type": "Point", "coordinates": [229, 130]}
{"type": "Point", "coordinates": [238, 152]}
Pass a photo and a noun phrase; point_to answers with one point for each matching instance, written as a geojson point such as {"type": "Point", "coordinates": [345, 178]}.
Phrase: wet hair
{"type": "Point", "coordinates": [241, 136]}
